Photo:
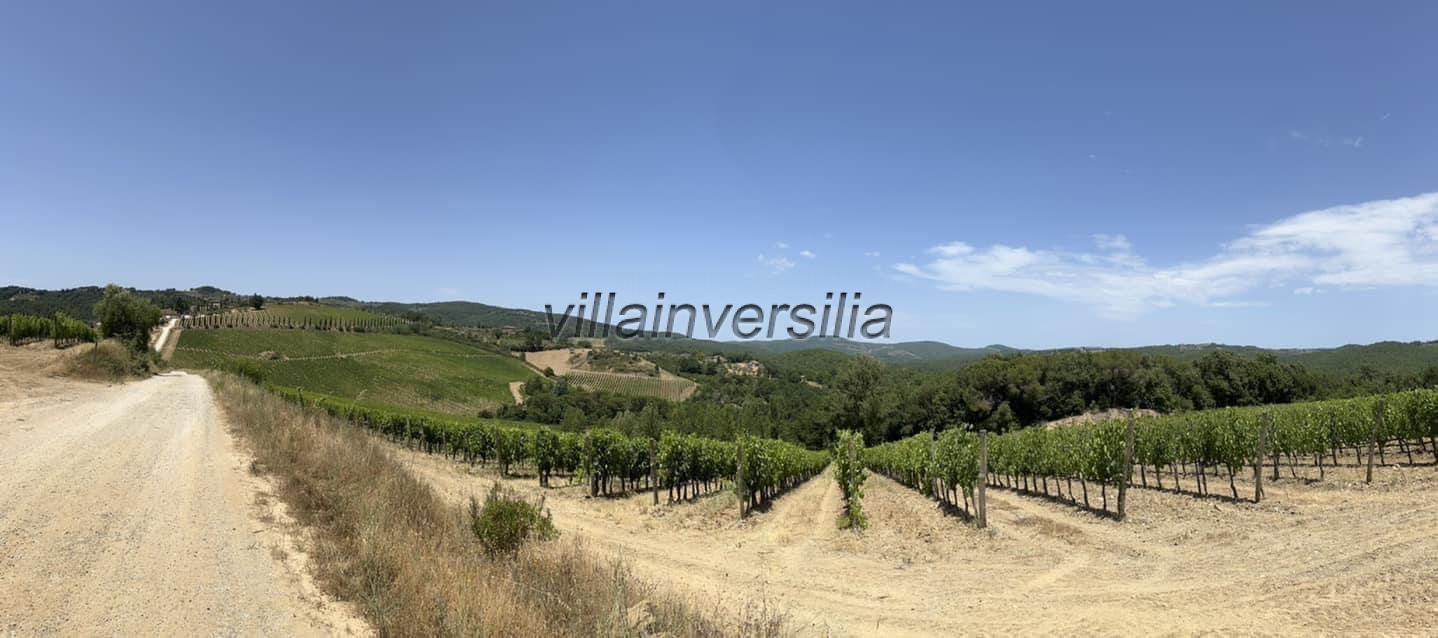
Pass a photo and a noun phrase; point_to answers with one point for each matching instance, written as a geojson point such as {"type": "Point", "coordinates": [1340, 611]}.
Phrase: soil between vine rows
{"type": "Point", "coordinates": [1330, 556]}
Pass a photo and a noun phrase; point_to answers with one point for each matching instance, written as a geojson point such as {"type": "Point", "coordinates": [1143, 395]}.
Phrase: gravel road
{"type": "Point", "coordinates": [127, 510]}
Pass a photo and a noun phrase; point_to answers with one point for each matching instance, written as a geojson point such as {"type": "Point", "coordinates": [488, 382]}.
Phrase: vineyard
{"type": "Point", "coordinates": [298, 317]}
{"type": "Point", "coordinates": [1222, 443]}
{"type": "Point", "coordinates": [670, 388]}
{"type": "Point", "coordinates": [61, 329]}
{"type": "Point", "coordinates": [609, 461]}
{"type": "Point", "coordinates": [403, 371]}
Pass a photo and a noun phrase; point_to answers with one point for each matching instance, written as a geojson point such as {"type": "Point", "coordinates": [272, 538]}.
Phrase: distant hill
{"type": "Point", "coordinates": [80, 302]}
{"type": "Point", "coordinates": [465, 313]}
{"type": "Point", "coordinates": [1384, 356]}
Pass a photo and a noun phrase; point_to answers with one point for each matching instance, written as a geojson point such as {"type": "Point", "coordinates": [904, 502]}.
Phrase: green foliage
{"type": "Point", "coordinates": [771, 466]}
{"type": "Point", "coordinates": [1228, 437]}
{"type": "Point", "coordinates": [256, 301]}
{"type": "Point", "coordinates": [850, 473]}
{"type": "Point", "coordinates": [688, 463]}
{"type": "Point", "coordinates": [66, 331]}
{"type": "Point", "coordinates": [126, 317]}
{"type": "Point", "coordinates": [505, 522]}
{"type": "Point", "coordinates": [389, 369]}
{"type": "Point", "coordinates": [27, 328]}
{"type": "Point", "coordinates": [247, 369]}
{"type": "Point", "coordinates": [954, 460]}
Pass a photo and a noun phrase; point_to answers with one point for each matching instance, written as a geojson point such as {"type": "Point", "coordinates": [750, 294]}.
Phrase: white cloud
{"type": "Point", "coordinates": [1112, 243]}
{"type": "Point", "coordinates": [807, 254]}
{"type": "Point", "coordinates": [1380, 243]}
{"type": "Point", "coordinates": [1307, 290]}
{"type": "Point", "coordinates": [776, 264]}
{"type": "Point", "coordinates": [872, 253]}
{"type": "Point", "coordinates": [951, 249]}
{"type": "Point", "coordinates": [781, 245]}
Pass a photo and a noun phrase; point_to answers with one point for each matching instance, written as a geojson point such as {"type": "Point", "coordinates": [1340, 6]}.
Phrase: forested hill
{"type": "Point", "coordinates": [80, 302]}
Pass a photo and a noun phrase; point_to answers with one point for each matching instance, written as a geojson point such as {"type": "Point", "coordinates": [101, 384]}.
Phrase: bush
{"type": "Point", "coordinates": [246, 369]}
{"type": "Point", "coordinates": [506, 521]}
{"type": "Point", "coordinates": [107, 361]}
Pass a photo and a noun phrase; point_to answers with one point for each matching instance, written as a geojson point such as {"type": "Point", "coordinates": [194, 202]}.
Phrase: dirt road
{"type": "Point", "coordinates": [126, 510]}
{"type": "Point", "coordinates": [1315, 558]}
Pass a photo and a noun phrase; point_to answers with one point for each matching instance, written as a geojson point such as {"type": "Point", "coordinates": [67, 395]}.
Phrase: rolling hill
{"type": "Point", "coordinates": [406, 371]}
{"type": "Point", "coordinates": [1383, 357]}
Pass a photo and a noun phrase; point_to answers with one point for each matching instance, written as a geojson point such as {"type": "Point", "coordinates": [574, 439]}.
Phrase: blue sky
{"type": "Point", "coordinates": [1038, 175]}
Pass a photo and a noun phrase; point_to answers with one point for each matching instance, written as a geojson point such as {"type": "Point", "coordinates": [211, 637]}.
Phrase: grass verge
{"type": "Point", "coordinates": [387, 542]}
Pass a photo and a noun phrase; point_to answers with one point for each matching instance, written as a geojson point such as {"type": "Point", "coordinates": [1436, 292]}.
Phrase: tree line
{"type": "Point", "coordinates": [810, 403]}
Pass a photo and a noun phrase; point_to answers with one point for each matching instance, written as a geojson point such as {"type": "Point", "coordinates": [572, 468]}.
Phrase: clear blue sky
{"type": "Point", "coordinates": [1060, 174]}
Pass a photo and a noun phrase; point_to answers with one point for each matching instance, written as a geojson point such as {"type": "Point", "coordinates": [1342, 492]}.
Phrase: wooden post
{"type": "Point", "coordinates": [654, 469]}
{"type": "Point", "coordinates": [1373, 437]}
{"type": "Point", "coordinates": [1127, 468]}
{"type": "Point", "coordinates": [1258, 457]}
{"type": "Point", "coordinates": [739, 478]}
{"type": "Point", "coordinates": [983, 478]}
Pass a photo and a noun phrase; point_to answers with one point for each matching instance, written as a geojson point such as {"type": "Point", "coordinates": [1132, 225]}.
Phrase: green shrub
{"type": "Point", "coordinates": [505, 522]}
{"type": "Point", "coordinates": [247, 369]}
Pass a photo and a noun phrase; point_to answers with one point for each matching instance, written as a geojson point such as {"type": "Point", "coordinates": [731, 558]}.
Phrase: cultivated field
{"type": "Point", "coordinates": [575, 365]}
{"type": "Point", "coordinates": [382, 369]}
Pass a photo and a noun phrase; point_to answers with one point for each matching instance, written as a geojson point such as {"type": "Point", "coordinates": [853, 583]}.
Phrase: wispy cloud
{"type": "Point", "coordinates": [807, 254]}
{"type": "Point", "coordinates": [775, 264]}
{"type": "Point", "coordinates": [1324, 139]}
{"type": "Point", "coordinates": [781, 245]}
{"type": "Point", "coordinates": [872, 253]}
{"type": "Point", "coordinates": [1380, 243]}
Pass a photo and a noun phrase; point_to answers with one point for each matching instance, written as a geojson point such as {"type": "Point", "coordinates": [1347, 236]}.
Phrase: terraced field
{"type": "Point", "coordinates": [379, 369]}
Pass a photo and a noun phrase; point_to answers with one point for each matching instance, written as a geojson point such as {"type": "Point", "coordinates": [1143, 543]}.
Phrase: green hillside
{"type": "Point", "coordinates": [382, 369]}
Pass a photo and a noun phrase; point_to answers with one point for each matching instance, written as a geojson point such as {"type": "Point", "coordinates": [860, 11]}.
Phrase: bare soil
{"type": "Point", "coordinates": [1325, 557]}
{"type": "Point", "coordinates": [128, 510]}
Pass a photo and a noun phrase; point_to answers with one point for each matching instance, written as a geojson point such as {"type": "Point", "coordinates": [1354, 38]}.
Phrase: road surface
{"type": "Point", "coordinates": [126, 510]}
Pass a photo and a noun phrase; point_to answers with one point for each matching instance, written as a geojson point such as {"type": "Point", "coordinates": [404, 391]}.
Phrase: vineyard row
{"type": "Point", "coordinates": [62, 329]}
{"type": "Point", "coordinates": [685, 465]}
{"type": "Point", "coordinates": [263, 319]}
{"type": "Point", "coordinates": [948, 466]}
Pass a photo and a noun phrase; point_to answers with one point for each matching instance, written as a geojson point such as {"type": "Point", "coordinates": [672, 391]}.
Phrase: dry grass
{"type": "Point", "coordinates": [108, 361]}
{"type": "Point", "coordinates": [387, 542]}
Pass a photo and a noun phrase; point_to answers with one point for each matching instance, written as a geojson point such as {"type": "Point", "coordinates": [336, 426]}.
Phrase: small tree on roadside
{"type": "Point", "coordinates": [126, 317]}
{"type": "Point", "coordinates": [256, 301]}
